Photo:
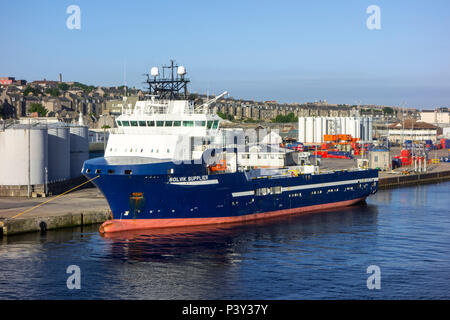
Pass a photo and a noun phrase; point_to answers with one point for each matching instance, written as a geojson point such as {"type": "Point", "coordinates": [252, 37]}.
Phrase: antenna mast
{"type": "Point", "coordinates": [172, 87]}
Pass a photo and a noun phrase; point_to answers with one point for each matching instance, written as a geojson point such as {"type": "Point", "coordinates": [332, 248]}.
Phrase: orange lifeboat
{"type": "Point", "coordinates": [221, 166]}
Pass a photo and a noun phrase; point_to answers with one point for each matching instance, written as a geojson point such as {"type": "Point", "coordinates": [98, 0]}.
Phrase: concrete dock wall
{"type": "Point", "coordinates": [43, 223]}
{"type": "Point", "coordinates": [420, 178]}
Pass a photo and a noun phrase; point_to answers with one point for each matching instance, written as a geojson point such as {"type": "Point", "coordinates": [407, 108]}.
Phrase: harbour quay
{"type": "Point", "coordinates": [78, 208]}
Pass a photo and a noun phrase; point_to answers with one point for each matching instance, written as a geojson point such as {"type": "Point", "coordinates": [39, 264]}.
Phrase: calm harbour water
{"type": "Point", "coordinates": [323, 255]}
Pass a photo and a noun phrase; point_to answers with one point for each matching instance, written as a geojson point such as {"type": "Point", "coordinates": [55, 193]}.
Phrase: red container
{"type": "Point", "coordinates": [406, 153]}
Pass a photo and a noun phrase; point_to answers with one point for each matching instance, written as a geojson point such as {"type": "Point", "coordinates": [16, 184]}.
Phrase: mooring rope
{"type": "Point", "coordinates": [58, 196]}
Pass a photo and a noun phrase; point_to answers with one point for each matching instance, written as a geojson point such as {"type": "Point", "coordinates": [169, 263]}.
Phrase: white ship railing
{"type": "Point", "coordinates": [161, 107]}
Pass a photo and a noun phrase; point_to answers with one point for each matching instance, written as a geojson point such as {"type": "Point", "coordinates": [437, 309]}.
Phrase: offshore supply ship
{"type": "Point", "coordinates": [169, 164]}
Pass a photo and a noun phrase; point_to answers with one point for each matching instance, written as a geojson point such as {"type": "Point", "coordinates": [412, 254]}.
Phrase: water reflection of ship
{"type": "Point", "coordinates": [224, 243]}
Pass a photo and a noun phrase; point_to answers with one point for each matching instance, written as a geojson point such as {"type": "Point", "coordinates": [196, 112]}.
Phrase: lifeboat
{"type": "Point", "coordinates": [221, 166]}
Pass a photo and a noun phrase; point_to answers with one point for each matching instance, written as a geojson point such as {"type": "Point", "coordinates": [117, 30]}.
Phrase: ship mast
{"type": "Point", "coordinates": [172, 87]}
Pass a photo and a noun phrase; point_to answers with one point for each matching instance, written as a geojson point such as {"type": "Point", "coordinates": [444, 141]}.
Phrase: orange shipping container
{"type": "Point", "coordinates": [329, 137]}
{"type": "Point", "coordinates": [344, 137]}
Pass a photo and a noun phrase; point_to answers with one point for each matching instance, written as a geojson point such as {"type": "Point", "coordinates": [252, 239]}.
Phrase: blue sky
{"type": "Point", "coordinates": [289, 51]}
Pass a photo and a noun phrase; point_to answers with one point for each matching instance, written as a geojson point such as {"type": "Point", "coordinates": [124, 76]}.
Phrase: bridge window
{"type": "Point", "coordinates": [216, 124]}
{"type": "Point", "coordinates": [151, 123]}
{"type": "Point", "coordinates": [133, 123]}
{"type": "Point", "coordinates": [200, 123]}
{"type": "Point", "coordinates": [169, 123]}
{"type": "Point", "coordinates": [142, 124]}
{"type": "Point", "coordinates": [125, 123]}
{"type": "Point", "coordinates": [188, 123]}
{"type": "Point", "coordinates": [210, 124]}
{"type": "Point", "coordinates": [159, 123]}
{"type": "Point", "coordinates": [177, 123]}
{"type": "Point", "coordinates": [119, 123]}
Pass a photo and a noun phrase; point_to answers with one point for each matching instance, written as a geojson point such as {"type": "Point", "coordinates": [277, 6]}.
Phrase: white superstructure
{"type": "Point", "coordinates": [163, 129]}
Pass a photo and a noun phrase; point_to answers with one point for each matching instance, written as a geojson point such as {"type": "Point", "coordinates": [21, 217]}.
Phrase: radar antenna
{"type": "Point", "coordinates": [172, 87]}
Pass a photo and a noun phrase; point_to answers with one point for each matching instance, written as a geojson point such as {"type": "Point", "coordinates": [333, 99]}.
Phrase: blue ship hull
{"type": "Point", "coordinates": [145, 193]}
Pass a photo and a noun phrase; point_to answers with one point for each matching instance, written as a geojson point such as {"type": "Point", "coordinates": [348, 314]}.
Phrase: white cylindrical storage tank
{"type": "Point", "coordinates": [370, 129]}
{"type": "Point", "coordinates": [318, 130]}
{"type": "Point", "coordinates": [342, 125]}
{"type": "Point", "coordinates": [324, 127]}
{"type": "Point", "coordinates": [79, 149]}
{"type": "Point", "coordinates": [58, 153]}
{"type": "Point", "coordinates": [366, 129]}
{"type": "Point", "coordinates": [309, 131]}
{"type": "Point", "coordinates": [358, 127]}
{"type": "Point", "coordinates": [14, 162]}
{"type": "Point", "coordinates": [351, 127]}
{"type": "Point", "coordinates": [329, 126]}
{"type": "Point", "coordinates": [361, 128]}
{"type": "Point", "coordinates": [347, 125]}
{"type": "Point", "coordinates": [301, 129]}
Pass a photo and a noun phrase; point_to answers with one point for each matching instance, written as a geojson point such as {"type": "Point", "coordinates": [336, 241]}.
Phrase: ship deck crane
{"type": "Point", "coordinates": [205, 105]}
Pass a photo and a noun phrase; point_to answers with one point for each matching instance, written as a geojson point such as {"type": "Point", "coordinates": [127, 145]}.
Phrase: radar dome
{"type": "Point", "coordinates": [154, 72]}
{"type": "Point", "coordinates": [181, 70]}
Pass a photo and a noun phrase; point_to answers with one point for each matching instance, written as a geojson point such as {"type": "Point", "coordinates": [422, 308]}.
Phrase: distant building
{"type": "Point", "coordinates": [114, 107]}
{"type": "Point", "coordinates": [6, 81]}
{"type": "Point", "coordinates": [437, 116]}
{"type": "Point", "coordinates": [46, 83]}
{"type": "Point", "coordinates": [413, 130]}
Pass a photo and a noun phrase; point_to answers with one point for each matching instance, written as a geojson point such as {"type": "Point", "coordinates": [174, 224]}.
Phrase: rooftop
{"type": "Point", "coordinates": [412, 124]}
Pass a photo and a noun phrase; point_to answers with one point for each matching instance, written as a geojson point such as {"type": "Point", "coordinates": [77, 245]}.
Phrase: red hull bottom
{"type": "Point", "coordinates": [141, 224]}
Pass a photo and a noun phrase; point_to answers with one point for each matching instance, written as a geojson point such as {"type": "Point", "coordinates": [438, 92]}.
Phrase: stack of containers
{"type": "Point", "coordinates": [406, 157]}
{"type": "Point", "coordinates": [445, 143]}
